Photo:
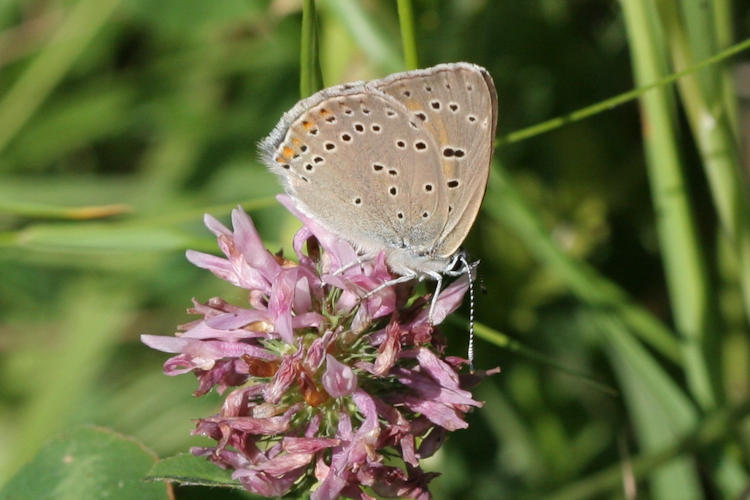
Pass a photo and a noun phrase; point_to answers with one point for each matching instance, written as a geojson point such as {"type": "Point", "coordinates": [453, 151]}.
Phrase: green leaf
{"type": "Point", "coordinates": [87, 462]}
{"type": "Point", "coordinates": [189, 469]}
{"type": "Point", "coordinates": [27, 209]}
{"type": "Point", "coordinates": [102, 237]}
{"type": "Point", "coordinates": [661, 412]}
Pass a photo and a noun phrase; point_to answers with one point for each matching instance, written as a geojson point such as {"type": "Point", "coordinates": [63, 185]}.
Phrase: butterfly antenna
{"type": "Point", "coordinates": [470, 274]}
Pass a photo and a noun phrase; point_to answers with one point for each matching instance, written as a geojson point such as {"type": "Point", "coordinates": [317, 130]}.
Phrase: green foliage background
{"type": "Point", "coordinates": [615, 249]}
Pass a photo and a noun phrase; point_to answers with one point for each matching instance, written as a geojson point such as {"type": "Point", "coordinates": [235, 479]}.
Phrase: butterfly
{"type": "Point", "coordinates": [396, 165]}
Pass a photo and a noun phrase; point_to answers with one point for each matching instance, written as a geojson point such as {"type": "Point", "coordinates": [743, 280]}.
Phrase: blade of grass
{"type": "Point", "coordinates": [41, 210]}
{"type": "Point", "coordinates": [709, 116]}
{"type": "Point", "coordinates": [724, 27]}
{"type": "Point", "coordinates": [715, 427]}
{"type": "Point", "coordinates": [42, 75]}
{"type": "Point", "coordinates": [503, 341]}
{"type": "Point", "coordinates": [140, 234]}
{"type": "Point", "coordinates": [520, 451]}
{"type": "Point", "coordinates": [505, 203]}
{"type": "Point", "coordinates": [660, 412]}
{"type": "Point", "coordinates": [310, 80]}
{"type": "Point", "coordinates": [606, 105]}
{"type": "Point", "coordinates": [690, 30]}
{"type": "Point", "coordinates": [408, 33]}
{"type": "Point", "coordinates": [682, 254]}
{"type": "Point", "coordinates": [370, 37]}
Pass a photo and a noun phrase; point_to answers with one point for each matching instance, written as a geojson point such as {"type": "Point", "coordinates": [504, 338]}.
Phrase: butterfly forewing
{"type": "Point", "coordinates": [457, 104]}
{"type": "Point", "coordinates": [361, 165]}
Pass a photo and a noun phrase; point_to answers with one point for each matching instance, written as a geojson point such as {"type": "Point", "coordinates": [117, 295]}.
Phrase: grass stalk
{"type": "Point", "coordinates": [620, 99]}
{"type": "Point", "coordinates": [681, 250]}
{"type": "Point", "coordinates": [711, 115]}
{"type": "Point", "coordinates": [724, 25]}
{"type": "Point", "coordinates": [503, 341]}
{"type": "Point", "coordinates": [408, 34]}
{"type": "Point", "coordinates": [310, 80]}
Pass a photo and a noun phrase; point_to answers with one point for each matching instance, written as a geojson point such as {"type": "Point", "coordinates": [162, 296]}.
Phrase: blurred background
{"type": "Point", "coordinates": [123, 121]}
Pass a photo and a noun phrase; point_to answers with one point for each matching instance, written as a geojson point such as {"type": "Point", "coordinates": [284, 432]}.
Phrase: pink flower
{"type": "Point", "coordinates": [325, 379]}
{"type": "Point", "coordinates": [338, 379]}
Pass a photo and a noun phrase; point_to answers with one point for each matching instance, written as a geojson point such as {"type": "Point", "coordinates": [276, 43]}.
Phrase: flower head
{"type": "Point", "coordinates": [326, 378]}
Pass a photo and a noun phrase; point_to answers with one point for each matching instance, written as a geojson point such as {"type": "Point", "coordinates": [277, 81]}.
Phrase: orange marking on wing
{"type": "Point", "coordinates": [287, 152]}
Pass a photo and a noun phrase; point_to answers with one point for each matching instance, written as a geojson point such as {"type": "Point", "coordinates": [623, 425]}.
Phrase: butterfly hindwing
{"type": "Point", "coordinates": [457, 103]}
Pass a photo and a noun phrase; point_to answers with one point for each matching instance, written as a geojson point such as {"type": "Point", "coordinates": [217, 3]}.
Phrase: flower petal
{"type": "Point", "coordinates": [280, 303]}
{"type": "Point", "coordinates": [338, 380]}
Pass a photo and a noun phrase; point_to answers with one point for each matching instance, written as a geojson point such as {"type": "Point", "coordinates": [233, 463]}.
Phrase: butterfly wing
{"type": "Point", "coordinates": [356, 160]}
{"type": "Point", "coordinates": [457, 104]}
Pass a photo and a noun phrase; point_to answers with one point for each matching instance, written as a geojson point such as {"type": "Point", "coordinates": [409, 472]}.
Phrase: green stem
{"type": "Point", "coordinates": [710, 117]}
{"type": "Point", "coordinates": [682, 254]}
{"type": "Point", "coordinates": [408, 37]}
{"type": "Point", "coordinates": [310, 80]}
{"type": "Point", "coordinates": [503, 341]}
{"type": "Point", "coordinates": [724, 26]}
{"type": "Point", "coordinates": [619, 99]}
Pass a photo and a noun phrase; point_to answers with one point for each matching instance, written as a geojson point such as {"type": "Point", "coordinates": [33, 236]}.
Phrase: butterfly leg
{"type": "Point", "coordinates": [386, 284]}
{"type": "Point", "coordinates": [439, 279]}
{"type": "Point", "coordinates": [358, 262]}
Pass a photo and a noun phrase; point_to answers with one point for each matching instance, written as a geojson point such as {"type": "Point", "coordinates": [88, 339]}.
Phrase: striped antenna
{"type": "Point", "coordinates": [469, 270]}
